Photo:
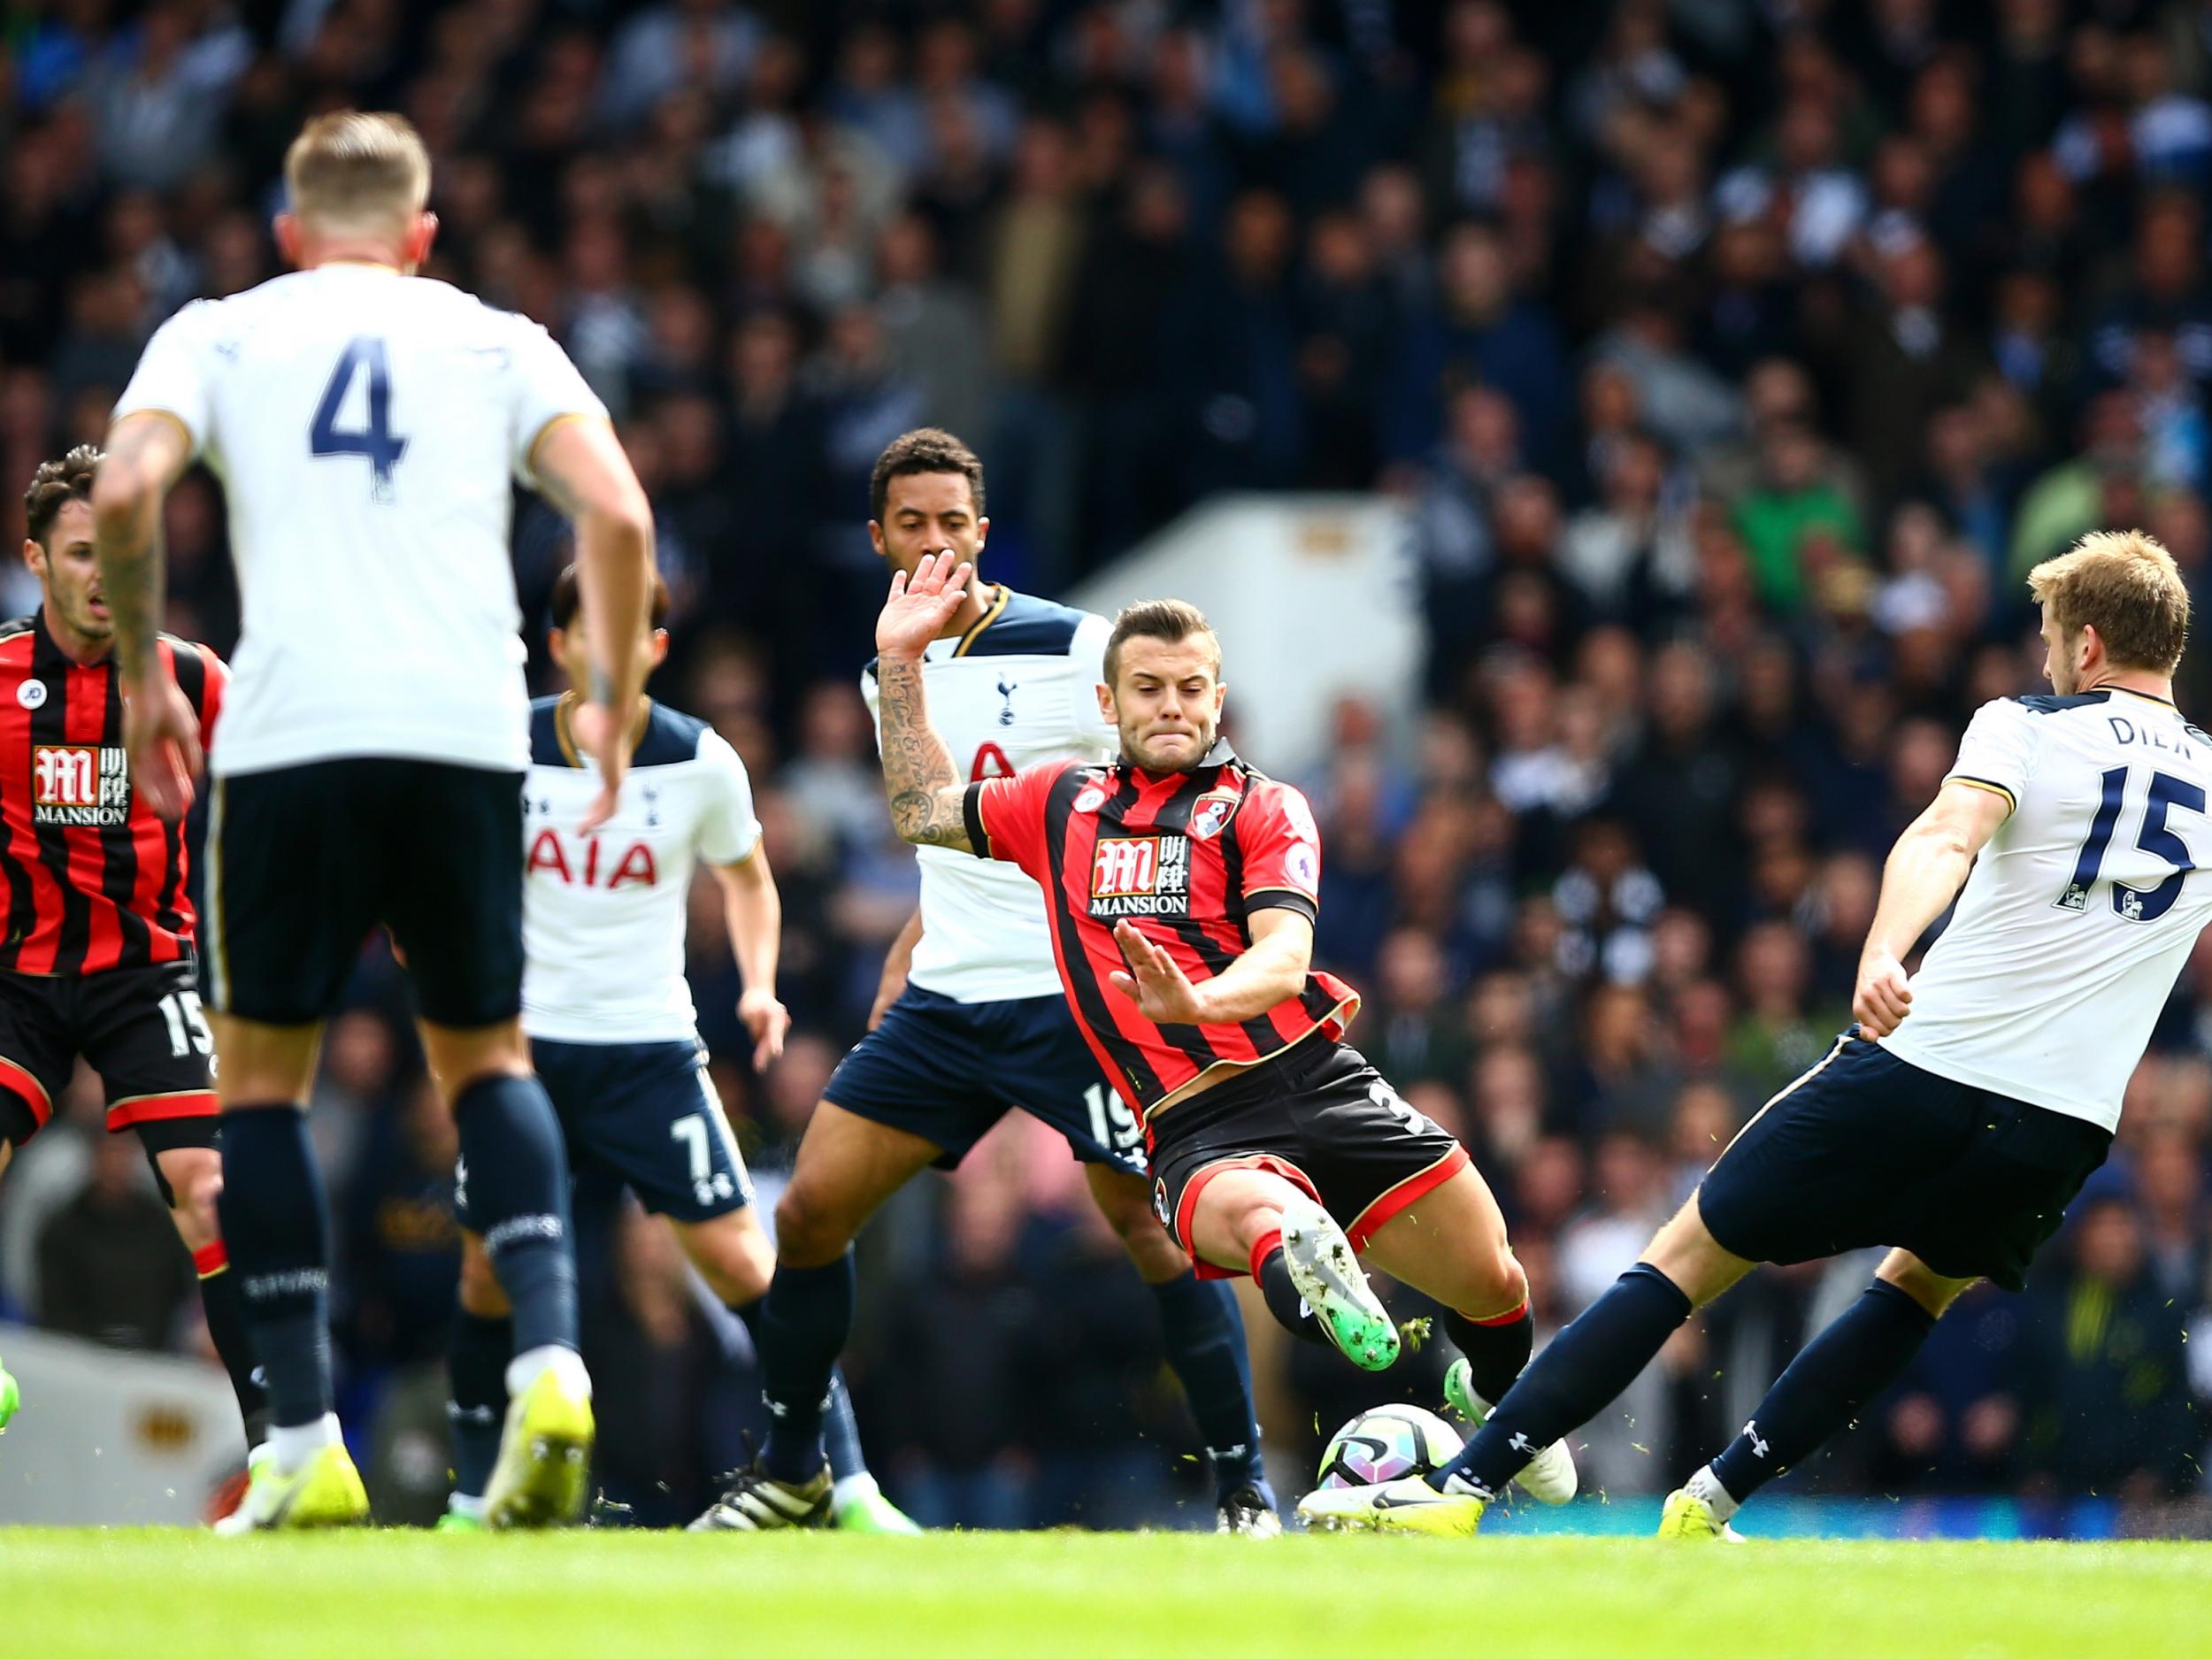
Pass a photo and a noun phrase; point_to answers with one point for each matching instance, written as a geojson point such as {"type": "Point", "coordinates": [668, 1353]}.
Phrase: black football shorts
{"type": "Point", "coordinates": [140, 1028]}
{"type": "Point", "coordinates": [304, 861]}
{"type": "Point", "coordinates": [1319, 1115]}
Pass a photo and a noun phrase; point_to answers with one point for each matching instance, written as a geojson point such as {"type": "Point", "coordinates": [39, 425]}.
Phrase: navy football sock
{"type": "Point", "coordinates": [477, 1360]}
{"type": "Point", "coordinates": [804, 1321]}
{"type": "Point", "coordinates": [840, 1430]}
{"type": "Point", "coordinates": [1497, 1350]}
{"type": "Point", "coordinates": [225, 1310]}
{"type": "Point", "coordinates": [1272, 1274]}
{"type": "Point", "coordinates": [518, 1197]}
{"type": "Point", "coordinates": [276, 1227]}
{"type": "Point", "coordinates": [1586, 1364]}
{"type": "Point", "coordinates": [1203, 1334]}
{"type": "Point", "coordinates": [1865, 1350]}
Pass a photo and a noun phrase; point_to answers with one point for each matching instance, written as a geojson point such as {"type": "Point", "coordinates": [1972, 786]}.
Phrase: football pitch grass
{"type": "Point", "coordinates": [170, 1595]}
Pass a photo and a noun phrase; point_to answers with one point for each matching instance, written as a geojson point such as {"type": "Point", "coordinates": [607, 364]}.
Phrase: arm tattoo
{"type": "Point", "coordinates": [918, 769]}
{"type": "Point", "coordinates": [129, 546]}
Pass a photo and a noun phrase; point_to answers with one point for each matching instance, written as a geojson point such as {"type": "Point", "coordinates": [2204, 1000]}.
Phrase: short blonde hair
{"type": "Point", "coordinates": [2126, 586]}
{"type": "Point", "coordinates": [354, 170]}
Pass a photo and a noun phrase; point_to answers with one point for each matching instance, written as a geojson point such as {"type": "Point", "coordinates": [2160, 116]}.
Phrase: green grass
{"type": "Point", "coordinates": [178, 1595]}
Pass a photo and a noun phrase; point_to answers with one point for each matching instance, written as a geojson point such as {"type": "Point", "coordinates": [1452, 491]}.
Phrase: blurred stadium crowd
{"type": "Point", "coordinates": [1733, 360]}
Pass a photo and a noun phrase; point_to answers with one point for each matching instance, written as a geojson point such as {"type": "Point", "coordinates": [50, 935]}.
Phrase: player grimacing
{"type": "Point", "coordinates": [367, 426]}
{"type": "Point", "coordinates": [1182, 888]}
{"type": "Point", "coordinates": [971, 1025]}
{"type": "Point", "coordinates": [1963, 1112]}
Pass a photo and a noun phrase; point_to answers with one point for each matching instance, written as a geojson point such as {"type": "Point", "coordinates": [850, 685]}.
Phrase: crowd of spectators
{"type": "Point", "coordinates": [1733, 361]}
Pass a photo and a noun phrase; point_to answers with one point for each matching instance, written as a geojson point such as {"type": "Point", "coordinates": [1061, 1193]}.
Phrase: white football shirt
{"type": "Point", "coordinates": [604, 915]}
{"type": "Point", "coordinates": [367, 427]}
{"type": "Point", "coordinates": [2070, 930]}
{"type": "Point", "coordinates": [1018, 689]}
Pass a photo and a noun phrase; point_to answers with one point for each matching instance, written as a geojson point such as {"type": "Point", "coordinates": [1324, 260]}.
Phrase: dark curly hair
{"type": "Point", "coordinates": [55, 485]}
{"type": "Point", "coordinates": [924, 450]}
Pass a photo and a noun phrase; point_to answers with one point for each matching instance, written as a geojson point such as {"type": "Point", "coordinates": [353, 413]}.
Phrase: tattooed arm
{"type": "Point", "coordinates": [146, 452]}
{"type": "Point", "coordinates": [918, 774]}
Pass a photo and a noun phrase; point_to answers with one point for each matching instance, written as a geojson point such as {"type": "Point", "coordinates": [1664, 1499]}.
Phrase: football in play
{"type": "Point", "coordinates": [1386, 1443]}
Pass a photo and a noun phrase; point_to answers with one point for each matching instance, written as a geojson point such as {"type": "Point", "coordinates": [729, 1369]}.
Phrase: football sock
{"type": "Point", "coordinates": [225, 1314]}
{"type": "Point", "coordinates": [517, 1193]}
{"type": "Point", "coordinates": [1564, 1387]}
{"type": "Point", "coordinates": [477, 1358]}
{"type": "Point", "coordinates": [804, 1320]}
{"type": "Point", "coordinates": [1865, 1350]}
{"type": "Point", "coordinates": [1497, 1349]}
{"type": "Point", "coordinates": [294, 1444]}
{"type": "Point", "coordinates": [1203, 1334]}
{"type": "Point", "coordinates": [276, 1226]}
{"type": "Point", "coordinates": [840, 1430]}
{"type": "Point", "coordinates": [1272, 1273]}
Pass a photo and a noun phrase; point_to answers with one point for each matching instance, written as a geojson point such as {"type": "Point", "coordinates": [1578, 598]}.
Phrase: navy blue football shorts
{"type": "Point", "coordinates": [947, 1071]}
{"type": "Point", "coordinates": [1868, 1149]}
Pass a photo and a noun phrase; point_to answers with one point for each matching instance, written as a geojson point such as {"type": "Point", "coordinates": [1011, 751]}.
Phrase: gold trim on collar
{"type": "Point", "coordinates": [984, 621]}
{"type": "Point", "coordinates": [2148, 697]}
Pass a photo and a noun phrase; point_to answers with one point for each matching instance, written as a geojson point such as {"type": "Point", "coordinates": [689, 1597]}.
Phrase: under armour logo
{"type": "Point", "coordinates": [1522, 1444]}
{"type": "Point", "coordinates": [1007, 691]}
{"type": "Point", "coordinates": [1751, 1433]}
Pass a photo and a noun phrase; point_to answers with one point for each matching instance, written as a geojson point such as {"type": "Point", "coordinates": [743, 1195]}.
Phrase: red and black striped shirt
{"type": "Point", "coordinates": [95, 879]}
{"type": "Point", "coordinates": [1187, 858]}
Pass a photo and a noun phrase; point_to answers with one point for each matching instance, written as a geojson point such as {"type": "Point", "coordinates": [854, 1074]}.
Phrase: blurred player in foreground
{"type": "Point", "coordinates": [1970, 1101]}
{"type": "Point", "coordinates": [969, 1025]}
{"type": "Point", "coordinates": [367, 426]}
{"type": "Point", "coordinates": [612, 1031]}
{"type": "Point", "coordinates": [99, 957]}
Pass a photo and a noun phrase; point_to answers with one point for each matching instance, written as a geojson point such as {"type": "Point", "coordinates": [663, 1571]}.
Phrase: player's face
{"type": "Point", "coordinates": [70, 575]}
{"type": "Point", "coordinates": [1166, 699]}
{"type": "Point", "coordinates": [924, 513]}
{"type": "Point", "coordinates": [571, 654]}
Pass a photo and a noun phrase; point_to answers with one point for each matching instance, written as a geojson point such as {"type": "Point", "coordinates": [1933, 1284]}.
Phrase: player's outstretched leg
{"type": "Point", "coordinates": [1203, 1334]}
{"type": "Point", "coordinates": [516, 1177]}
{"type": "Point", "coordinates": [276, 1224]}
{"type": "Point", "coordinates": [1297, 1252]}
{"type": "Point", "coordinates": [1863, 1352]}
{"type": "Point", "coordinates": [1588, 1364]}
{"type": "Point", "coordinates": [482, 1342]}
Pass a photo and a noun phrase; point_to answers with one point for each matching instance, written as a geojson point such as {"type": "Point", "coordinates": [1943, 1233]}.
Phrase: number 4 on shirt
{"type": "Point", "coordinates": [374, 441]}
{"type": "Point", "coordinates": [2166, 792]}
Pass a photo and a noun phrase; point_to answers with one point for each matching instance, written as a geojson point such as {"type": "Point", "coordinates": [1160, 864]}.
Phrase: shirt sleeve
{"type": "Point", "coordinates": [1999, 752]}
{"type": "Point", "coordinates": [172, 374]}
{"type": "Point", "coordinates": [1006, 817]}
{"type": "Point", "coordinates": [729, 830]}
{"type": "Point", "coordinates": [547, 387]}
{"type": "Point", "coordinates": [1281, 846]}
{"type": "Point", "coordinates": [1088, 730]}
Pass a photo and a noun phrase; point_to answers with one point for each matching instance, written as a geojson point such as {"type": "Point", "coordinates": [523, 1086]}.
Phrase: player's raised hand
{"type": "Point", "coordinates": [161, 734]}
{"type": "Point", "coordinates": [766, 1021]}
{"type": "Point", "coordinates": [1884, 996]}
{"type": "Point", "coordinates": [1161, 990]}
{"type": "Point", "coordinates": [599, 733]}
{"type": "Point", "coordinates": [918, 609]}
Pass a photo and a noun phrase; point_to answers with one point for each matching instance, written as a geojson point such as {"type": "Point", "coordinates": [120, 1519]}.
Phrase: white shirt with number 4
{"type": "Point", "coordinates": [2079, 915]}
{"type": "Point", "coordinates": [367, 427]}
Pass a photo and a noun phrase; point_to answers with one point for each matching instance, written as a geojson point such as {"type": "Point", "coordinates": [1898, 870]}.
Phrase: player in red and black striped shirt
{"type": "Point", "coordinates": [1183, 887]}
{"type": "Point", "coordinates": [97, 952]}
